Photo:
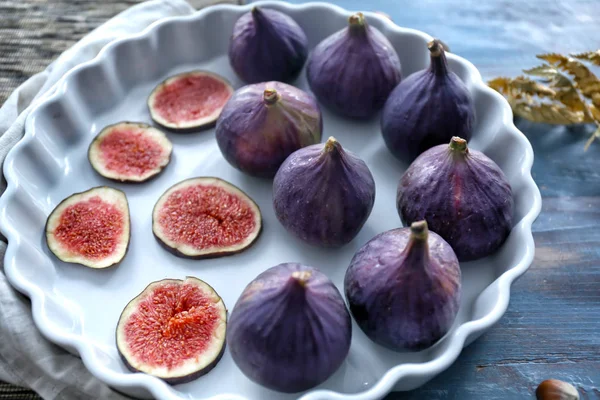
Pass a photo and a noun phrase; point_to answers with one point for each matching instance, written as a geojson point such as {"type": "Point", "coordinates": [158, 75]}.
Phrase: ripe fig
{"type": "Point", "coordinates": [189, 101]}
{"type": "Point", "coordinates": [174, 330]}
{"type": "Point", "coordinates": [262, 124]}
{"type": "Point", "coordinates": [324, 194]}
{"type": "Point", "coordinates": [205, 217]}
{"type": "Point", "coordinates": [427, 109]}
{"type": "Point", "coordinates": [267, 45]}
{"type": "Point", "coordinates": [290, 329]}
{"type": "Point", "coordinates": [90, 228]}
{"type": "Point", "coordinates": [354, 70]}
{"type": "Point", "coordinates": [130, 152]}
{"type": "Point", "coordinates": [462, 194]}
{"type": "Point", "coordinates": [403, 288]}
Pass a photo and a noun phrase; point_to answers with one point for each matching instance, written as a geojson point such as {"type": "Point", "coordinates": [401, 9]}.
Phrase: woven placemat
{"type": "Point", "coordinates": [12, 392]}
{"type": "Point", "coordinates": [34, 33]}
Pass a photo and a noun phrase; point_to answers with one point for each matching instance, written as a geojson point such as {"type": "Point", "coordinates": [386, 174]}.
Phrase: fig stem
{"type": "Point", "coordinates": [357, 22]}
{"type": "Point", "coordinates": [330, 144]}
{"type": "Point", "coordinates": [458, 145]}
{"type": "Point", "coordinates": [301, 277]}
{"type": "Point", "coordinates": [439, 65]}
{"type": "Point", "coordinates": [270, 96]}
{"type": "Point", "coordinates": [419, 230]}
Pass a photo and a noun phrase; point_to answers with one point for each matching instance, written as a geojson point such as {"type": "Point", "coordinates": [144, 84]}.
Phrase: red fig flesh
{"type": "Point", "coordinates": [130, 152]}
{"type": "Point", "coordinates": [206, 217]}
{"type": "Point", "coordinates": [174, 330]}
{"type": "Point", "coordinates": [188, 101]}
{"type": "Point", "coordinates": [90, 228]}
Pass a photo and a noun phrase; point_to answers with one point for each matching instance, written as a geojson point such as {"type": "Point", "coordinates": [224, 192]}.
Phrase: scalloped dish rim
{"type": "Point", "coordinates": [463, 334]}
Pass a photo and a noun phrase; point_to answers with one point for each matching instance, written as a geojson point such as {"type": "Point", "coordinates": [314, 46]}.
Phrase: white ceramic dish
{"type": "Point", "coordinates": [78, 308]}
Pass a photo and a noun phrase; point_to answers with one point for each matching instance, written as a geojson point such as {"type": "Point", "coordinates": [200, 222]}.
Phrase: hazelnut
{"type": "Point", "coordinates": [553, 389]}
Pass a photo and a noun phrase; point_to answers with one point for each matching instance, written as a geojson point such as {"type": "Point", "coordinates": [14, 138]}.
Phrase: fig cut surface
{"type": "Point", "coordinates": [189, 101]}
{"type": "Point", "coordinates": [174, 330]}
{"type": "Point", "coordinates": [130, 152]}
{"type": "Point", "coordinates": [90, 228]}
{"type": "Point", "coordinates": [206, 217]}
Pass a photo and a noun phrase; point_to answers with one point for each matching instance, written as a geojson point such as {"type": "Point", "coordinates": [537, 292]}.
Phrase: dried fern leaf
{"type": "Point", "coordinates": [585, 80]}
{"type": "Point", "coordinates": [547, 113]}
{"type": "Point", "coordinates": [591, 56]}
{"type": "Point", "coordinates": [595, 135]}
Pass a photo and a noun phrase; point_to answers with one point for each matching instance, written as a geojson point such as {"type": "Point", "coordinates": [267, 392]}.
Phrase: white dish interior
{"type": "Point", "coordinates": [78, 308]}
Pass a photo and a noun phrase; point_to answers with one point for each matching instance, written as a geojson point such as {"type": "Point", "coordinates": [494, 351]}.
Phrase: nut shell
{"type": "Point", "coordinates": [554, 389]}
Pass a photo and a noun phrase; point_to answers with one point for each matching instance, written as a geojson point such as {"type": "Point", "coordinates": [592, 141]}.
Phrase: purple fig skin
{"type": "Point", "coordinates": [427, 109]}
{"type": "Point", "coordinates": [354, 70]}
{"type": "Point", "coordinates": [324, 194]}
{"type": "Point", "coordinates": [262, 124]}
{"type": "Point", "coordinates": [267, 45]}
{"type": "Point", "coordinates": [403, 288]}
{"type": "Point", "coordinates": [462, 194]}
{"type": "Point", "coordinates": [289, 330]}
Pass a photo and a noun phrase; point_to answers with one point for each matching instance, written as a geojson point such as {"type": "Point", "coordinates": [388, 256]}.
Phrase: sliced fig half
{"type": "Point", "coordinates": [90, 228]}
{"type": "Point", "coordinates": [206, 217]}
{"type": "Point", "coordinates": [130, 152]}
{"type": "Point", "coordinates": [189, 101]}
{"type": "Point", "coordinates": [174, 330]}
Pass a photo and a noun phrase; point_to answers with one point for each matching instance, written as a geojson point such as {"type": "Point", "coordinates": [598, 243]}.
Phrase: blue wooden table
{"type": "Point", "coordinates": [552, 326]}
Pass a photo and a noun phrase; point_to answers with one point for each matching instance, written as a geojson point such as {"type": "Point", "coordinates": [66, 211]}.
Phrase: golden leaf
{"type": "Point", "coordinates": [531, 87]}
{"type": "Point", "coordinates": [500, 84]}
{"type": "Point", "coordinates": [553, 58]}
{"type": "Point", "coordinates": [544, 70]}
{"type": "Point", "coordinates": [564, 89]}
{"type": "Point", "coordinates": [547, 113]}
{"type": "Point", "coordinates": [595, 135]}
{"type": "Point", "coordinates": [591, 56]}
{"type": "Point", "coordinates": [585, 80]}
{"type": "Point", "coordinates": [596, 100]}
{"type": "Point", "coordinates": [519, 86]}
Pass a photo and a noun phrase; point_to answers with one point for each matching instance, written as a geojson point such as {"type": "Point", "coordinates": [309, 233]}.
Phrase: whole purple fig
{"type": "Point", "coordinates": [290, 329]}
{"type": "Point", "coordinates": [267, 45]}
{"type": "Point", "coordinates": [462, 194]}
{"type": "Point", "coordinates": [403, 288]}
{"type": "Point", "coordinates": [354, 70]}
{"type": "Point", "coordinates": [324, 194]}
{"type": "Point", "coordinates": [262, 124]}
{"type": "Point", "coordinates": [427, 109]}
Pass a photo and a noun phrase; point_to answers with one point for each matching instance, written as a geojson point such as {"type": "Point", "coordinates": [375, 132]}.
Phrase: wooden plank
{"type": "Point", "coordinates": [34, 32]}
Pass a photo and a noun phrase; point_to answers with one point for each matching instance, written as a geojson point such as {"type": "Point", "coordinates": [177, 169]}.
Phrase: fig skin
{"type": "Point", "coordinates": [324, 194]}
{"type": "Point", "coordinates": [289, 330]}
{"type": "Point", "coordinates": [427, 109]}
{"type": "Point", "coordinates": [403, 288]}
{"type": "Point", "coordinates": [262, 124]}
{"type": "Point", "coordinates": [462, 194]}
{"type": "Point", "coordinates": [353, 71]}
{"type": "Point", "coordinates": [267, 45]}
